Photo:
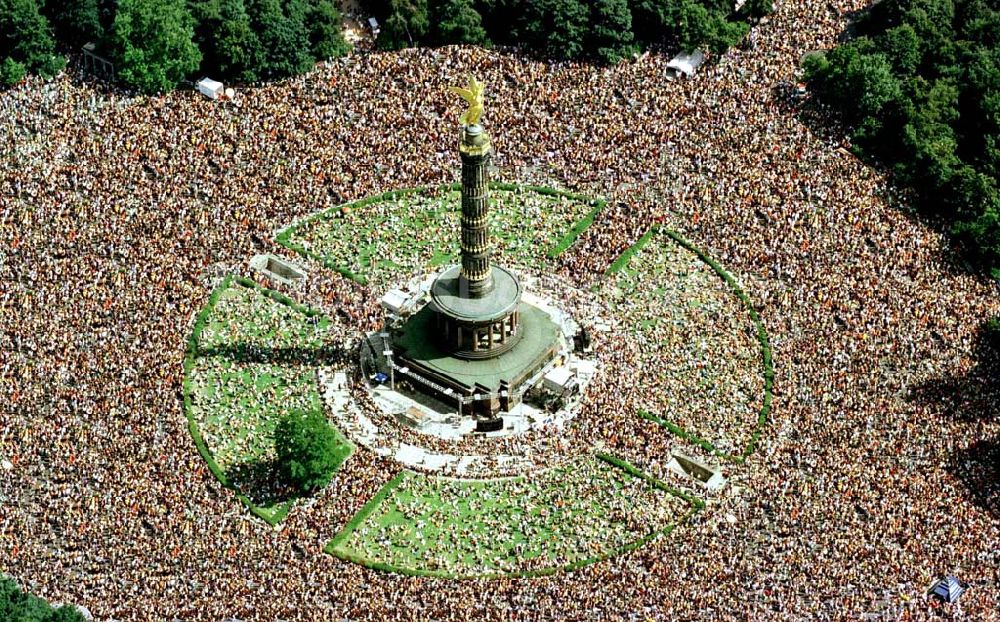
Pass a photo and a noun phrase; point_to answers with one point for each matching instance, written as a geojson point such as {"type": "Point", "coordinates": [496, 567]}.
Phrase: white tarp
{"type": "Point", "coordinates": [684, 65]}
{"type": "Point", "coordinates": [394, 301]}
{"type": "Point", "coordinates": [948, 589]}
{"type": "Point", "coordinates": [210, 88]}
{"type": "Point", "coordinates": [558, 379]}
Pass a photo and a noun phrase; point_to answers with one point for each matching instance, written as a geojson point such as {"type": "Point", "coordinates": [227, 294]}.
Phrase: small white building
{"type": "Point", "coordinates": [210, 88]}
{"type": "Point", "coordinates": [559, 380]}
{"type": "Point", "coordinates": [395, 301]}
{"type": "Point", "coordinates": [709, 476]}
{"type": "Point", "coordinates": [685, 65]}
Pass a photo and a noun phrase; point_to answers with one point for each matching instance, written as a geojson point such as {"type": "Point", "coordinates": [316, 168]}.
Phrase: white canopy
{"type": "Point", "coordinates": [948, 589]}
{"type": "Point", "coordinates": [395, 300]}
{"type": "Point", "coordinates": [209, 88]}
{"type": "Point", "coordinates": [686, 64]}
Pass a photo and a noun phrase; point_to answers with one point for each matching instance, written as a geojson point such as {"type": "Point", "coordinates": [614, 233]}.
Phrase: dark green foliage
{"type": "Point", "coordinates": [236, 49]}
{"type": "Point", "coordinates": [325, 38]}
{"type": "Point", "coordinates": [18, 606]}
{"type": "Point", "coordinates": [156, 43]}
{"type": "Point", "coordinates": [920, 87]}
{"type": "Point", "coordinates": [611, 37]}
{"type": "Point", "coordinates": [691, 24]}
{"type": "Point", "coordinates": [902, 47]}
{"type": "Point", "coordinates": [153, 44]}
{"type": "Point", "coordinates": [11, 72]}
{"type": "Point", "coordinates": [601, 30]}
{"type": "Point", "coordinates": [307, 448]}
{"type": "Point", "coordinates": [75, 22]}
{"type": "Point", "coordinates": [458, 21]}
{"type": "Point", "coordinates": [26, 43]}
{"type": "Point", "coordinates": [230, 48]}
{"type": "Point", "coordinates": [699, 27]}
{"type": "Point", "coordinates": [982, 237]}
{"type": "Point", "coordinates": [65, 614]}
{"type": "Point", "coordinates": [756, 9]}
{"type": "Point", "coordinates": [556, 28]}
{"type": "Point", "coordinates": [652, 20]}
{"type": "Point", "coordinates": [249, 40]}
{"type": "Point", "coordinates": [404, 23]}
{"type": "Point", "coordinates": [283, 36]}
{"type": "Point", "coordinates": [207, 20]}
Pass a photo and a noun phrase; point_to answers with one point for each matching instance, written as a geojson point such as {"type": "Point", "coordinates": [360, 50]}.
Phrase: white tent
{"type": "Point", "coordinates": [209, 88]}
{"type": "Point", "coordinates": [558, 379]}
{"type": "Point", "coordinates": [948, 589]}
{"type": "Point", "coordinates": [394, 301]}
{"type": "Point", "coordinates": [684, 65]}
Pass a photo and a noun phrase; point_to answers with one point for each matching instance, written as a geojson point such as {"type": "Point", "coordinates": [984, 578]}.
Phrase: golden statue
{"type": "Point", "coordinates": [474, 96]}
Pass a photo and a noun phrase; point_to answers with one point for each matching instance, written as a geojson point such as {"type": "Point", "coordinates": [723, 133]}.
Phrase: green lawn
{"type": "Point", "coordinates": [700, 342]}
{"type": "Point", "coordinates": [380, 238]}
{"type": "Point", "coordinates": [557, 519]}
{"type": "Point", "coordinates": [254, 362]}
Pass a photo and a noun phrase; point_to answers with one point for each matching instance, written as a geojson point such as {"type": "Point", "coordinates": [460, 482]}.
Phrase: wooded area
{"type": "Point", "coordinates": [156, 43]}
{"type": "Point", "coordinates": [920, 87]}
{"type": "Point", "coordinates": [604, 31]}
{"type": "Point", "coordinates": [18, 606]}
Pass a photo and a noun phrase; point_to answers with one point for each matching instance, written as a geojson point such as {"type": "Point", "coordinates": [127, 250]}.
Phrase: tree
{"type": "Point", "coordinates": [983, 238]}
{"type": "Point", "coordinates": [232, 49]}
{"type": "Point", "coordinates": [902, 46]}
{"type": "Point", "coordinates": [18, 606]}
{"type": "Point", "coordinates": [756, 9]}
{"type": "Point", "coordinates": [325, 37]}
{"type": "Point", "coordinates": [11, 72]}
{"type": "Point", "coordinates": [10, 596]}
{"type": "Point", "coordinates": [153, 44]}
{"type": "Point", "coordinates": [406, 25]}
{"type": "Point", "coordinates": [921, 90]}
{"type": "Point", "coordinates": [723, 34]}
{"type": "Point", "coordinates": [75, 22]}
{"type": "Point", "coordinates": [694, 25]}
{"type": "Point", "coordinates": [308, 450]}
{"type": "Point", "coordinates": [499, 17]}
{"type": "Point", "coordinates": [458, 22]}
{"type": "Point", "coordinates": [611, 34]}
{"type": "Point", "coordinates": [65, 614]}
{"type": "Point", "coordinates": [556, 28]}
{"type": "Point", "coordinates": [652, 20]}
{"type": "Point", "coordinates": [26, 39]}
{"type": "Point", "coordinates": [283, 36]}
{"type": "Point", "coordinates": [207, 20]}
{"type": "Point", "coordinates": [969, 192]}
{"type": "Point", "coordinates": [869, 80]}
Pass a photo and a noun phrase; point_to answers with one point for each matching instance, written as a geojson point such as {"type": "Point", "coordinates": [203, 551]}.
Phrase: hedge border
{"type": "Point", "coordinates": [284, 236]}
{"type": "Point", "coordinates": [623, 260]}
{"type": "Point", "coordinates": [377, 499]}
{"type": "Point", "coordinates": [696, 506]}
{"type": "Point", "coordinates": [765, 345]}
{"type": "Point", "coordinates": [281, 510]}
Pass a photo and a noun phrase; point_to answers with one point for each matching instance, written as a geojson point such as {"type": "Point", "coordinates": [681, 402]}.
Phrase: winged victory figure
{"type": "Point", "coordinates": [473, 95]}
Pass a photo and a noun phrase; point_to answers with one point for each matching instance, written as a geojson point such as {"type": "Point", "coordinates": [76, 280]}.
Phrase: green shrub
{"type": "Point", "coordinates": [18, 606]}
{"type": "Point", "coordinates": [308, 450]}
{"type": "Point", "coordinates": [11, 72]}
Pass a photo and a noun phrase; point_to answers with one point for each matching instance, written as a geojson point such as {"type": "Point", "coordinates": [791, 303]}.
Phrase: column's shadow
{"type": "Point", "coordinates": [972, 398]}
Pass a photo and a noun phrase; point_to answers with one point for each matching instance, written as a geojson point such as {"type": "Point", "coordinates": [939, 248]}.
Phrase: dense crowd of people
{"type": "Point", "coordinates": [115, 213]}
